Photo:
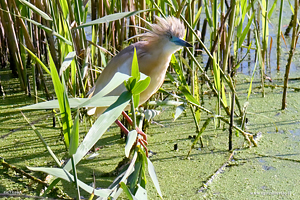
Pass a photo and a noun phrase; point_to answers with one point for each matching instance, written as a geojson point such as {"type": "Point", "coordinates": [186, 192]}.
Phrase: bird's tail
{"type": "Point", "coordinates": [96, 111]}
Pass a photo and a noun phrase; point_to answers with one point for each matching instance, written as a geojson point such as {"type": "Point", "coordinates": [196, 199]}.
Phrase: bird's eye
{"type": "Point", "coordinates": [171, 36]}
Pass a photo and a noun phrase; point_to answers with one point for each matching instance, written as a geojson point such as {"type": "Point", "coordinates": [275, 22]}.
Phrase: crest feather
{"type": "Point", "coordinates": [171, 26]}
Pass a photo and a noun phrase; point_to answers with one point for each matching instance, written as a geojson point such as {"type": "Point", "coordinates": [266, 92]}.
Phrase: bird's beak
{"type": "Point", "coordinates": [181, 42]}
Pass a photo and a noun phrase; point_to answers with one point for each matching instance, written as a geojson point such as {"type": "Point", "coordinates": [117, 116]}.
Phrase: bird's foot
{"type": "Point", "coordinates": [142, 140]}
{"type": "Point", "coordinates": [131, 123]}
{"type": "Point", "coordinates": [142, 134]}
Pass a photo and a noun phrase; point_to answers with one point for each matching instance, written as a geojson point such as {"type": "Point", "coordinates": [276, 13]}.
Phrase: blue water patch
{"type": "Point", "coordinates": [295, 132]}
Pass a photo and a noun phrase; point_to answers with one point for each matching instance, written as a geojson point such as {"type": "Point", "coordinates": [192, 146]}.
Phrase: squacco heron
{"type": "Point", "coordinates": [153, 54]}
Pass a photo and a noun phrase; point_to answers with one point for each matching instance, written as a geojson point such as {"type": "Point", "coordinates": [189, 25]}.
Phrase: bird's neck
{"type": "Point", "coordinates": [164, 49]}
{"type": "Point", "coordinates": [158, 60]}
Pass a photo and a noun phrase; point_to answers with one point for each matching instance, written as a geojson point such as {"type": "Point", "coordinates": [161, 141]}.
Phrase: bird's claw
{"type": "Point", "coordinates": [142, 140]}
{"type": "Point", "coordinates": [144, 143]}
{"type": "Point", "coordinates": [142, 134]}
{"type": "Point", "coordinates": [131, 123]}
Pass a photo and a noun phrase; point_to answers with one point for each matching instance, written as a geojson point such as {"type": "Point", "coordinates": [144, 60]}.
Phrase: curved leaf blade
{"type": "Point", "coordinates": [36, 10]}
{"type": "Point", "coordinates": [127, 191]}
{"type": "Point", "coordinates": [63, 174]}
{"type": "Point", "coordinates": [74, 137]}
{"type": "Point", "coordinates": [188, 95]}
{"type": "Point", "coordinates": [74, 103]}
{"type": "Point", "coordinates": [154, 177]}
{"type": "Point", "coordinates": [141, 193]}
{"type": "Point", "coordinates": [130, 141]}
{"type": "Point", "coordinates": [110, 18]}
{"type": "Point", "coordinates": [67, 62]}
{"type": "Point", "coordinates": [99, 127]}
{"type": "Point", "coordinates": [117, 80]}
{"type": "Point", "coordinates": [37, 60]}
{"type": "Point", "coordinates": [178, 112]}
{"type": "Point", "coordinates": [141, 86]}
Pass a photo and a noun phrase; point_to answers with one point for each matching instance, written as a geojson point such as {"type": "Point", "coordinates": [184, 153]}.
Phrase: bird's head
{"type": "Point", "coordinates": [168, 32]}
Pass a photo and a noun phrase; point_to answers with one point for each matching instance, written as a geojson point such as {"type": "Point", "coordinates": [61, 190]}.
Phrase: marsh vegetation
{"type": "Point", "coordinates": [238, 82]}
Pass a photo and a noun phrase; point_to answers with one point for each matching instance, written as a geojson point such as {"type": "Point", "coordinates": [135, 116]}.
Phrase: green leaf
{"type": "Point", "coordinates": [169, 75]}
{"type": "Point", "coordinates": [165, 103]}
{"type": "Point", "coordinates": [127, 191]}
{"type": "Point", "coordinates": [272, 9]}
{"type": "Point", "coordinates": [174, 63]}
{"type": "Point", "coordinates": [66, 63]}
{"type": "Point", "coordinates": [116, 80]}
{"type": "Point", "coordinates": [62, 38]}
{"type": "Point", "coordinates": [246, 30]}
{"type": "Point", "coordinates": [134, 177]}
{"type": "Point", "coordinates": [38, 60]}
{"type": "Point", "coordinates": [110, 18]}
{"type": "Point", "coordinates": [136, 100]}
{"type": "Point", "coordinates": [100, 126]}
{"type": "Point", "coordinates": [63, 174]}
{"type": "Point", "coordinates": [53, 183]}
{"type": "Point", "coordinates": [153, 177]}
{"type": "Point", "coordinates": [57, 84]}
{"type": "Point", "coordinates": [135, 67]}
{"type": "Point", "coordinates": [196, 85]}
{"type": "Point", "coordinates": [141, 86]}
{"type": "Point", "coordinates": [197, 17]}
{"type": "Point", "coordinates": [184, 61]}
{"type": "Point", "coordinates": [105, 101]}
{"type": "Point", "coordinates": [252, 78]}
{"type": "Point", "coordinates": [291, 6]}
{"type": "Point", "coordinates": [66, 116]}
{"type": "Point", "coordinates": [224, 95]}
{"type": "Point", "coordinates": [143, 158]}
{"type": "Point", "coordinates": [201, 131]}
{"type": "Point", "coordinates": [103, 59]}
{"type": "Point", "coordinates": [143, 76]}
{"type": "Point", "coordinates": [36, 10]}
{"type": "Point", "coordinates": [42, 140]}
{"type": "Point", "coordinates": [123, 177]}
{"type": "Point", "coordinates": [65, 8]}
{"type": "Point", "coordinates": [188, 95]}
{"type": "Point", "coordinates": [178, 112]}
{"type": "Point", "coordinates": [49, 30]}
{"type": "Point", "coordinates": [208, 16]}
{"type": "Point", "coordinates": [141, 193]}
{"type": "Point", "coordinates": [74, 137]}
{"type": "Point", "coordinates": [198, 115]}
{"type": "Point", "coordinates": [131, 138]}
{"type": "Point", "coordinates": [131, 83]}
{"type": "Point", "coordinates": [216, 74]}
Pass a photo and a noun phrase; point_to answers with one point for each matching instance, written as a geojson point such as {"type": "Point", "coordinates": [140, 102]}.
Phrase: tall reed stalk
{"type": "Point", "coordinates": [291, 54]}
{"type": "Point", "coordinates": [279, 34]}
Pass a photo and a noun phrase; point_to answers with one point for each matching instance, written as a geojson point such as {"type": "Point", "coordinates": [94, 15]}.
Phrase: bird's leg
{"type": "Point", "coordinates": [142, 141]}
{"type": "Point", "coordinates": [124, 129]}
{"type": "Point", "coordinates": [131, 123]}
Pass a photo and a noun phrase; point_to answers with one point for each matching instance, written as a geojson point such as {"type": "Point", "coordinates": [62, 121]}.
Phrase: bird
{"type": "Point", "coordinates": [154, 53]}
